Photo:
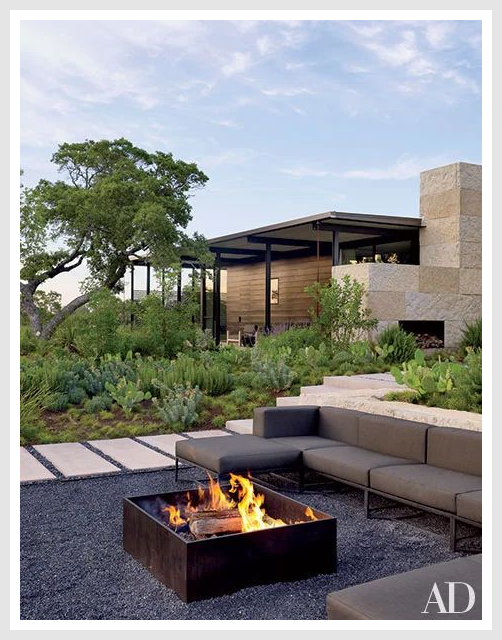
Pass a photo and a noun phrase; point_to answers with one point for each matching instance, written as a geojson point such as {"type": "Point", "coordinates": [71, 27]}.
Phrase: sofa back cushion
{"type": "Point", "coordinates": [455, 449]}
{"type": "Point", "coordinates": [339, 424]}
{"type": "Point", "coordinates": [276, 422]}
{"type": "Point", "coordinates": [393, 436]}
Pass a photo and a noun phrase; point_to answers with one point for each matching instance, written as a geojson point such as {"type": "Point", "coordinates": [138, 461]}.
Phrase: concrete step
{"type": "Point", "coordinates": [131, 454]}
{"type": "Point", "coordinates": [242, 427]}
{"type": "Point", "coordinates": [207, 433]}
{"type": "Point", "coordinates": [73, 459]}
{"type": "Point", "coordinates": [166, 442]}
{"type": "Point", "coordinates": [31, 469]}
{"type": "Point", "coordinates": [370, 381]}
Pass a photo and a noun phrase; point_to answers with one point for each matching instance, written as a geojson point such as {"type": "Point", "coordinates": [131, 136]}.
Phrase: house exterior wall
{"type": "Point", "coordinates": [446, 285]}
{"type": "Point", "coordinates": [246, 291]}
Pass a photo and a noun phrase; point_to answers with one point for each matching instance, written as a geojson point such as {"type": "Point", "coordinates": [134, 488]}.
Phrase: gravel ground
{"type": "Point", "coordinates": [73, 565]}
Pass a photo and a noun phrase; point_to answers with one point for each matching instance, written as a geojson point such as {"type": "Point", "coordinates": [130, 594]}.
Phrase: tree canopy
{"type": "Point", "coordinates": [116, 202]}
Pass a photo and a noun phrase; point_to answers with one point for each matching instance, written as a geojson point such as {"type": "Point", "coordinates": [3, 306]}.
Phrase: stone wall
{"type": "Point", "coordinates": [447, 284]}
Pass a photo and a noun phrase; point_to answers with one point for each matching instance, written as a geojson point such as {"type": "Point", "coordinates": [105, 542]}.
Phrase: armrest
{"type": "Point", "coordinates": [276, 422]}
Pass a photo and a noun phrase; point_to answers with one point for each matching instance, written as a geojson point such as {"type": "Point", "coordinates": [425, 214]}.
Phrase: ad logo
{"type": "Point", "coordinates": [437, 603]}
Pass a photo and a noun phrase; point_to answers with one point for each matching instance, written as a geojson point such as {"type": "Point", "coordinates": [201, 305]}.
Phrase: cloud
{"type": "Point", "coordinates": [238, 63]}
{"type": "Point", "coordinates": [438, 34]}
{"type": "Point", "coordinates": [405, 168]}
{"type": "Point", "coordinates": [286, 91]}
{"type": "Point", "coordinates": [226, 123]}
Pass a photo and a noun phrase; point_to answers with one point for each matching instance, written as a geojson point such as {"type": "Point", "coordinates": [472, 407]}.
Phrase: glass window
{"type": "Point", "coordinates": [274, 291]}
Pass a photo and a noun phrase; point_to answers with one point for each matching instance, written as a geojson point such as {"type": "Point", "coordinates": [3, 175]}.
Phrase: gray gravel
{"type": "Point", "coordinates": [73, 565]}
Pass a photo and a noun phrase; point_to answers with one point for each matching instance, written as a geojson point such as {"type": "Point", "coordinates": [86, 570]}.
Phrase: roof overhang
{"type": "Point", "coordinates": [300, 236]}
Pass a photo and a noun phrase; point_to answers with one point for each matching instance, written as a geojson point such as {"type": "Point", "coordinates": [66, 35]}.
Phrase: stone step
{"type": "Point", "coordinates": [31, 470]}
{"type": "Point", "coordinates": [165, 442]}
{"type": "Point", "coordinates": [73, 459]}
{"type": "Point", "coordinates": [289, 401]}
{"type": "Point", "coordinates": [362, 382]}
{"type": "Point", "coordinates": [132, 455]}
{"type": "Point", "coordinates": [207, 433]}
{"type": "Point", "coordinates": [242, 427]}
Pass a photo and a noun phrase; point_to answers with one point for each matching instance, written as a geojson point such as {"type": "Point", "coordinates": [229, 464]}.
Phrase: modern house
{"type": "Point", "coordinates": [423, 272]}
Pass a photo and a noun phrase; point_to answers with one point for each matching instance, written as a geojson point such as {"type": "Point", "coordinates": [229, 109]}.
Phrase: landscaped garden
{"type": "Point", "coordinates": [101, 376]}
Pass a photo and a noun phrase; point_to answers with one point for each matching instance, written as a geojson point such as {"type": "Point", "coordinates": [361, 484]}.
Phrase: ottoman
{"type": "Point", "coordinates": [238, 454]}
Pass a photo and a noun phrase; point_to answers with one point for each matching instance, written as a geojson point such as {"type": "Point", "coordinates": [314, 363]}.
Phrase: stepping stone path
{"type": "Point", "coordinates": [166, 443]}
{"type": "Point", "coordinates": [209, 433]}
{"type": "Point", "coordinates": [132, 455]}
{"type": "Point", "coordinates": [73, 459]}
{"type": "Point", "coordinates": [31, 469]}
{"type": "Point", "coordinates": [242, 427]}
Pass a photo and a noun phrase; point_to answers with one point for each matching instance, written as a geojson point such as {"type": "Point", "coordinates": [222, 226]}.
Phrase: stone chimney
{"type": "Point", "coordinates": [450, 205]}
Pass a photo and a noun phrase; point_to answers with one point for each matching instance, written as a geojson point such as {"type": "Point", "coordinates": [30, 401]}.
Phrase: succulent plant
{"type": "Point", "coordinates": [127, 394]}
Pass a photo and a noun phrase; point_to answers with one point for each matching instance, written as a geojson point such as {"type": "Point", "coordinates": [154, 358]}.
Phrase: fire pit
{"type": "Point", "coordinates": [212, 541]}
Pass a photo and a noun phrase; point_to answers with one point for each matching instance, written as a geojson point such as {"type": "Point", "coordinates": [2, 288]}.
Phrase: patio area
{"type": "Point", "coordinates": [73, 565]}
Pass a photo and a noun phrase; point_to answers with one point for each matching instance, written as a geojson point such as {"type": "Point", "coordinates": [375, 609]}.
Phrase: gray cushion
{"type": "Point", "coordinates": [339, 424]}
{"type": "Point", "coordinates": [307, 442]}
{"type": "Point", "coordinates": [431, 486]}
{"type": "Point", "coordinates": [237, 453]}
{"type": "Point", "coordinates": [469, 505]}
{"type": "Point", "coordinates": [274, 422]}
{"type": "Point", "coordinates": [348, 463]}
{"type": "Point", "coordinates": [456, 449]}
{"type": "Point", "coordinates": [405, 595]}
{"type": "Point", "coordinates": [392, 436]}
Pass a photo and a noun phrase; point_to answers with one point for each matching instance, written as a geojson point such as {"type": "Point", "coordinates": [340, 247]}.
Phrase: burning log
{"type": "Point", "coordinates": [212, 522]}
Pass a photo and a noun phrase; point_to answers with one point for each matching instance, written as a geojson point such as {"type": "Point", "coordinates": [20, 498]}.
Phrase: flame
{"type": "Point", "coordinates": [175, 518]}
{"type": "Point", "coordinates": [249, 504]}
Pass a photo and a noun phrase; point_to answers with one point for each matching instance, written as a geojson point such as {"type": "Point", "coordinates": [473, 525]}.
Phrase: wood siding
{"type": "Point", "coordinates": [246, 290]}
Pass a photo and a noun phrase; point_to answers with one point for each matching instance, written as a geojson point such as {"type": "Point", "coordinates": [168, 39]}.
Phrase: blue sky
{"type": "Point", "coordinates": [286, 118]}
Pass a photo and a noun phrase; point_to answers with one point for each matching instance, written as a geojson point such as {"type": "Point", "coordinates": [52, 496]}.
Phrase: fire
{"type": "Point", "coordinates": [250, 505]}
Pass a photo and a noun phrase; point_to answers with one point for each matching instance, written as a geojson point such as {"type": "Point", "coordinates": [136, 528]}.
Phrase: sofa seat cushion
{"type": "Point", "coordinates": [469, 505]}
{"type": "Point", "coordinates": [302, 443]}
{"type": "Point", "coordinates": [237, 453]}
{"type": "Point", "coordinates": [404, 596]}
{"type": "Point", "coordinates": [348, 463]}
{"type": "Point", "coordinates": [423, 483]}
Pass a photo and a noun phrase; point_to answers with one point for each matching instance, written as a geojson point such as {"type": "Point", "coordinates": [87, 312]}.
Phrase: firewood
{"type": "Point", "coordinates": [208, 523]}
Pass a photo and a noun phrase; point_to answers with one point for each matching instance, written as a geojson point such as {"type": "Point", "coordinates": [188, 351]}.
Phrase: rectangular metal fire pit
{"type": "Point", "coordinates": [198, 569]}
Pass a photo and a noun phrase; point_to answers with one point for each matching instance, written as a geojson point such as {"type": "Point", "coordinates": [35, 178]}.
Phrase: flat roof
{"type": "Point", "coordinates": [358, 226]}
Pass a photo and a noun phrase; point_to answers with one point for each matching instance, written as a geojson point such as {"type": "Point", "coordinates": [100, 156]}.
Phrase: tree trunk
{"type": "Point", "coordinates": [58, 318]}
{"type": "Point", "coordinates": [29, 307]}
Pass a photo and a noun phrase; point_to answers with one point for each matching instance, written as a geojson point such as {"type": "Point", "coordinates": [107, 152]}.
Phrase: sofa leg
{"type": "Point", "coordinates": [366, 503]}
{"type": "Point", "coordinates": [453, 533]}
{"type": "Point", "coordinates": [176, 469]}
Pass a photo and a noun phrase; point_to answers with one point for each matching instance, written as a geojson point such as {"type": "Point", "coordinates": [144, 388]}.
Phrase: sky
{"type": "Point", "coordinates": [286, 118]}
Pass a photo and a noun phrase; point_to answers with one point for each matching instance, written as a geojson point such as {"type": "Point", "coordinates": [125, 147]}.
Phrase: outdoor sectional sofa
{"type": "Point", "coordinates": [437, 469]}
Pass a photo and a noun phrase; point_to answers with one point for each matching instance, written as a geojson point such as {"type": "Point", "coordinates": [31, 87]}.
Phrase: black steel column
{"type": "Point", "coordinates": [193, 292]}
{"type": "Point", "coordinates": [178, 288]}
{"type": "Point", "coordinates": [203, 301]}
{"type": "Point", "coordinates": [335, 248]}
{"type": "Point", "coordinates": [216, 300]}
{"type": "Point", "coordinates": [147, 278]}
{"type": "Point", "coordinates": [268, 276]}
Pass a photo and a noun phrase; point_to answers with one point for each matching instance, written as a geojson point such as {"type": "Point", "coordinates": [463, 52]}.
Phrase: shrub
{"type": "Point", "coordinates": [58, 402]}
{"type": "Point", "coordinates": [28, 342]}
{"type": "Point", "coordinates": [32, 402]}
{"type": "Point", "coordinates": [272, 373]}
{"type": "Point", "coordinates": [97, 325]}
{"type": "Point", "coordinates": [126, 394]}
{"type": "Point", "coordinates": [214, 379]}
{"type": "Point", "coordinates": [338, 312]}
{"type": "Point", "coordinates": [295, 338]}
{"type": "Point", "coordinates": [395, 345]}
{"type": "Point", "coordinates": [99, 403]}
{"type": "Point", "coordinates": [178, 406]}
{"type": "Point", "coordinates": [472, 336]}
{"type": "Point", "coordinates": [76, 395]}
{"type": "Point", "coordinates": [427, 380]}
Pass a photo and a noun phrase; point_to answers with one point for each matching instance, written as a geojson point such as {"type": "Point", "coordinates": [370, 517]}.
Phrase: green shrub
{"type": "Point", "coordinates": [295, 338]}
{"type": "Point", "coordinates": [178, 406]}
{"type": "Point", "coordinates": [32, 403]}
{"type": "Point", "coordinates": [472, 336]}
{"type": "Point", "coordinates": [338, 312]}
{"type": "Point", "coordinates": [99, 403]}
{"type": "Point", "coordinates": [272, 373]}
{"type": "Point", "coordinates": [76, 395]}
{"type": "Point", "coordinates": [126, 394]}
{"type": "Point", "coordinates": [58, 402]}
{"type": "Point", "coordinates": [401, 396]}
{"type": "Point", "coordinates": [395, 345]}
{"type": "Point", "coordinates": [214, 380]}
{"type": "Point", "coordinates": [427, 380]}
{"type": "Point", "coordinates": [28, 342]}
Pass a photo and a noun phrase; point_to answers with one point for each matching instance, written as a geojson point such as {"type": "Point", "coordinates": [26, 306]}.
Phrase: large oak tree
{"type": "Point", "coordinates": [116, 202]}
